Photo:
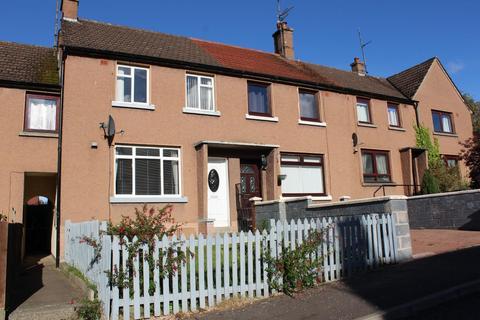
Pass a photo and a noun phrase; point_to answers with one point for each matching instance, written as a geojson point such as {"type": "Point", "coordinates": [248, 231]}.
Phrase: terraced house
{"type": "Point", "coordinates": [117, 117]}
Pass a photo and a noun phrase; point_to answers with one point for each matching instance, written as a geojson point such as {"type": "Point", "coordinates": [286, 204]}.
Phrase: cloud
{"type": "Point", "coordinates": [455, 66]}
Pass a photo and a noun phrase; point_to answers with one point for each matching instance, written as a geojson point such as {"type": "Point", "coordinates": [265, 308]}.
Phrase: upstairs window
{"type": "Point", "coordinates": [147, 171]}
{"type": "Point", "coordinates": [41, 113]}
{"type": "Point", "coordinates": [308, 106]}
{"type": "Point", "coordinates": [132, 85]}
{"type": "Point", "coordinates": [393, 115]}
{"type": "Point", "coordinates": [376, 167]}
{"type": "Point", "coordinates": [200, 95]}
{"type": "Point", "coordinates": [442, 122]}
{"type": "Point", "coordinates": [363, 111]}
{"type": "Point", "coordinates": [304, 174]}
{"type": "Point", "coordinates": [259, 99]}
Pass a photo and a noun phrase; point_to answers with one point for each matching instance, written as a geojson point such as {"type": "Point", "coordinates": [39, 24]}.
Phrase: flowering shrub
{"type": "Point", "coordinates": [147, 225]}
{"type": "Point", "coordinates": [295, 269]}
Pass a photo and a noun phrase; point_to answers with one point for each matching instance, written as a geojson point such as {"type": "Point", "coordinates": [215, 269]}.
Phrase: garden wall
{"type": "Point", "coordinates": [453, 210]}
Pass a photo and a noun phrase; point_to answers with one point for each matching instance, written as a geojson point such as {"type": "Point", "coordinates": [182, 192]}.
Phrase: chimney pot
{"type": "Point", "coordinates": [358, 66]}
{"type": "Point", "coordinates": [283, 40]}
{"type": "Point", "coordinates": [70, 9]}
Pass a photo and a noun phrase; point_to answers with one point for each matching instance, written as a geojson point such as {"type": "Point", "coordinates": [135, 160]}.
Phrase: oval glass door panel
{"type": "Point", "coordinates": [213, 180]}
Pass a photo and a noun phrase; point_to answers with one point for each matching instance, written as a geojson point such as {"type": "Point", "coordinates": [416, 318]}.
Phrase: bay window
{"type": "Point", "coordinates": [376, 166]}
{"type": "Point", "coordinates": [147, 171]}
{"type": "Point", "coordinates": [41, 113]}
{"type": "Point", "coordinates": [200, 93]}
{"type": "Point", "coordinates": [303, 174]}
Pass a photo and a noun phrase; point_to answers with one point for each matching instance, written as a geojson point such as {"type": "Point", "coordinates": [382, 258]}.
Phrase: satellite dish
{"type": "Point", "coordinates": [111, 127]}
{"type": "Point", "coordinates": [354, 139]}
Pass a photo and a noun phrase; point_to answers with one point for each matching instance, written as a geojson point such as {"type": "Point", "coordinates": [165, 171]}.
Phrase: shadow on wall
{"type": "Point", "coordinates": [399, 284]}
{"type": "Point", "coordinates": [473, 224]}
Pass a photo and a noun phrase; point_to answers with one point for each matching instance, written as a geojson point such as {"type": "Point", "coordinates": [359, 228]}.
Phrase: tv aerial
{"type": "Point", "coordinates": [109, 130]}
{"type": "Point", "coordinates": [282, 14]}
{"type": "Point", "coordinates": [362, 48]}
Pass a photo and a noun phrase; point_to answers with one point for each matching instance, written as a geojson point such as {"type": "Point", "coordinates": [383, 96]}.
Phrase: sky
{"type": "Point", "coordinates": [402, 33]}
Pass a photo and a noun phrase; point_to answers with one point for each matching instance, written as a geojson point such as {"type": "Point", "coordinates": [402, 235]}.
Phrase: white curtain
{"type": "Point", "coordinates": [302, 179]}
{"type": "Point", "coordinates": [206, 98]}
{"type": "Point", "coordinates": [42, 114]}
{"type": "Point", "coordinates": [192, 92]}
{"type": "Point", "coordinates": [381, 164]}
{"type": "Point", "coordinates": [392, 117]}
{"type": "Point", "coordinates": [447, 126]}
{"type": "Point", "coordinates": [362, 112]}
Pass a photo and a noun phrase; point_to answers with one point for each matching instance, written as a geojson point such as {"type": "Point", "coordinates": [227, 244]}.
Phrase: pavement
{"type": "Point", "coordinates": [43, 292]}
{"type": "Point", "coordinates": [376, 294]}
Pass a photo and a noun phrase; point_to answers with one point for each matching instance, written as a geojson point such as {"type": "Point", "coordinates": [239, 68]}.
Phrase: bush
{"type": "Point", "coordinates": [295, 269]}
{"type": "Point", "coordinates": [471, 155]}
{"type": "Point", "coordinates": [89, 310]}
{"type": "Point", "coordinates": [429, 183]}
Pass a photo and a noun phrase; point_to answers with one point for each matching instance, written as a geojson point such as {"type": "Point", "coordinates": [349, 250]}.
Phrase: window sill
{"type": "Point", "coordinates": [202, 112]}
{"type": "Point", "coordinates": [312, 123]}
{"type": "Point", "coordinates": [38, 134]}
{"type": "Point", "coordinates": [322, 198]}
{"type": "Point", "coordinates": [145, 106]}
{"type": "Point", "coordinates": [396, 128]}
{"type": "Point", "coordinates": [368, 125]}
{"type": "Point", "coordinates": [148, 199]}
{"type": "Point", "coordinates": [261, 118]}
{"type": "Point", "coordinates": [444, 134]}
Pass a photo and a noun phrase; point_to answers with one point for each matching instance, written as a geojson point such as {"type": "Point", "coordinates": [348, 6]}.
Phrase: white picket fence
{"type": "Point", "coordinates": [224, 266]}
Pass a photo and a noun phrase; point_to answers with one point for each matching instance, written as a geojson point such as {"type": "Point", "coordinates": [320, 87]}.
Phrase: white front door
{"type": "Point", "coordinates": [218, 199]}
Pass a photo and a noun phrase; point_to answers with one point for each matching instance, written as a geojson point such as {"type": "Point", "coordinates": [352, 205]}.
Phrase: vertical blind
{"type": "Point", "coordinates": [147, 171]}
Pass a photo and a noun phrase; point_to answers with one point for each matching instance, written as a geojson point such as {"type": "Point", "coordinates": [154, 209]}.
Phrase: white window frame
{"type": "Point", "coordinates": [189, 109]}
{"type": "Point", "coordinates": [161, 158]}
{"type": "Point", "coordinates": [365, 103]}
{"type": "Point", "coordinates": [132, 104]}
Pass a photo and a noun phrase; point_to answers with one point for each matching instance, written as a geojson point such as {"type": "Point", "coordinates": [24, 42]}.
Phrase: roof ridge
{"type": "Point", "coordinates": [341, 70]}
{"type": "Point", "coordinates": [25, 44]}
{"type": "Point", "coordinates": [237, 47]}
{"type": "Point", "coordinates": [412, 67]}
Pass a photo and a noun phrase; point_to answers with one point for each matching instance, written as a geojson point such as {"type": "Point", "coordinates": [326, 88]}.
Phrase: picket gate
{"type": "Point", "coordinates": [222, 267]}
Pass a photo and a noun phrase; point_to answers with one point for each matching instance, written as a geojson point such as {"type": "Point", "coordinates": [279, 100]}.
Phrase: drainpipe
{"type": "Point", "coordinates": [59, 161]}
{"type": "Point", "coordinates": [415, 106]}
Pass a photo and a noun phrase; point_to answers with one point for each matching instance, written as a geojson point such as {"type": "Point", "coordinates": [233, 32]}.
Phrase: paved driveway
{"type": "Point", "coordinates": [427, 241]}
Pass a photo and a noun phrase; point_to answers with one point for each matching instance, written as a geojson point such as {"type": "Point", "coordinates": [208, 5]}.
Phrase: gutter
{"type": "Point", "coordinates": [59, 162]}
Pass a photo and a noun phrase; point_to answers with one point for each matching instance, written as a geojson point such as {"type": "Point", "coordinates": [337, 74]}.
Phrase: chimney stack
{"type": "Point", "coordinates": [69, 9]}
{"type": "Point", "coordinates": [283, 40]}
{"type": "Point", "coordinates": [358, 66]}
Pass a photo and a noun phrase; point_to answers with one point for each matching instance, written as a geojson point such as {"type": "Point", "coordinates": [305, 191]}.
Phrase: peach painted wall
{"type": "Point", "coordinates": [438, 93]}
{"type": "Point", "coordinates": [20, 154]}
{"type": "Point", "coordinates": [90, 89]}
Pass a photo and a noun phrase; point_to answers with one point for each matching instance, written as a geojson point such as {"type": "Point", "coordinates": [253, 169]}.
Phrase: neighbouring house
{"type": "Point", "coordinates": [204, 126]}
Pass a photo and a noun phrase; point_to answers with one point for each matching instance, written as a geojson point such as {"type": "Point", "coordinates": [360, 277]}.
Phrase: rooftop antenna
{"type": "Point", "coordinates": [281, 17]}
{"type": "Point", "coordinates": [57, 22]}
{"type": "Point", "coordinates": [362, 47]}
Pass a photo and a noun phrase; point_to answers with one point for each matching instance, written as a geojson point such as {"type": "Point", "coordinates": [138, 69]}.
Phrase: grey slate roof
{"type": "Point", "coordinates": [20, 63]}
{"type": "Point", "coordinates": [408, 81]}
{"type": "Point", "coordinates": [103, 37]}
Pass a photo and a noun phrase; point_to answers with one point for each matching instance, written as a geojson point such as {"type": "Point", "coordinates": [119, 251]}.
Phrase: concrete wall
{"type": "Point", "coordinates": [453, 210]}
{"type": "Point", "coordinates": [301, 208]}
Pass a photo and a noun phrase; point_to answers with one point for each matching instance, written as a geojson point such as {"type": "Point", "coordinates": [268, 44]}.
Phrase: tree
{"type": "Point", "coordinates": [474, 106]}
{"type": "Point", "coordinates": [471, 155]}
